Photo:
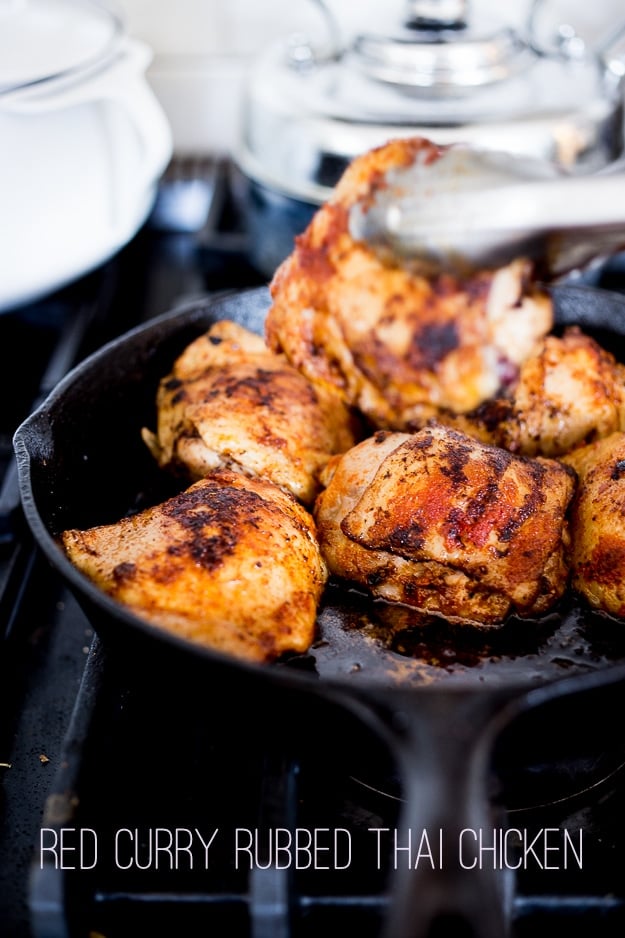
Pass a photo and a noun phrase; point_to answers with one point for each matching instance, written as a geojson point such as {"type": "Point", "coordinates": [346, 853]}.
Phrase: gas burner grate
{"type": "Point", "coordinates": [259, 773]}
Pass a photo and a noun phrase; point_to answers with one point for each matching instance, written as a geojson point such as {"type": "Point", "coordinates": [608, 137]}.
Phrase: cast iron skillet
{"type": "Point", "coordinates": [438, 698]}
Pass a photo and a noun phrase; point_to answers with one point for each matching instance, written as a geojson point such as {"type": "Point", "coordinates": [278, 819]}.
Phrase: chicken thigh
{"type": "Point", "coordinates": [232, 563]}
{"type": "Point", "coordinates": [229, 401]}
{"type": "Point", "coordinates": [400, 346]}
{"type": "Point", "coordinates": [598, 523]}
{"type": "Point", "coordinates": [444, 523]}
{"type": "Point", "coordinates": [571, 393]}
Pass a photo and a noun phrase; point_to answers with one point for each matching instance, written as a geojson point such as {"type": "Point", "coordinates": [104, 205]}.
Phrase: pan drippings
{"type": "Point", "coordinates": [360, 639]}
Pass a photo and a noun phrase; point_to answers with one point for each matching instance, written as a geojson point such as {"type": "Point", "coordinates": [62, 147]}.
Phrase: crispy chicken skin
{"type": "Point", "coordinates": [231, 563]}
{"type": "Point", "coordinates": [571, 393]}
{"type": "Point", "coordinates": [399, 346]}
{"type": "Point", "coordinates": [230, 401]}
{"type": "Point", "coordinates": [598, 523]}
{"type": "Point", "coordinates": [442, 522]}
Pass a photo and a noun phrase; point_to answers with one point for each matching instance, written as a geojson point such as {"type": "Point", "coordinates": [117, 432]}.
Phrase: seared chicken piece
{"type": "Point", "coordinates": [598, 523]}
{"type": "Point", "coordinates": [400, 346]}
{"type": "Point", "coordinates": [230, 401]}
{"type": "Point", "coordinates": [570, 393]}
{"type": "Point", "coordinates": [444, 523]}
{"type": "Point", "coordinates": [231, 563]}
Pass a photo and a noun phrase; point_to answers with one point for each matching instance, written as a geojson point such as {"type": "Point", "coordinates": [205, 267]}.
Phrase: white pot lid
{"type": "Point", "coordinates": [42, 40]}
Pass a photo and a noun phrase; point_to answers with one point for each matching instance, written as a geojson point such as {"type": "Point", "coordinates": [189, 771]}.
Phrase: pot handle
{"type": "Point", "coordinates": [443, 743]}
{"type": "Point", "coordinates": [120, 79]}
{"type": "Point", "coordinates": [129, 88]}
{"type": "Point", "coordinates": [566, 32]}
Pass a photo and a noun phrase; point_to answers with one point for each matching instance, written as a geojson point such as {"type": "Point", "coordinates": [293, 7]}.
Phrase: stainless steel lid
{"type": "Point", "coordinates": [438, 70]}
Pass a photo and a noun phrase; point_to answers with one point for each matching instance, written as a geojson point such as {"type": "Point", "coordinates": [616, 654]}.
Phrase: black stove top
{"type": "Point", "coordinates": [135, 800]}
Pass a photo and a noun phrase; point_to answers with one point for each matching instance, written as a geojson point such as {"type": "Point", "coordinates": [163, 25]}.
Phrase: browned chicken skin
{"type": "Point", "coordinates": [230, 401]}
{"type": "Point", "coordinates": [231, 563]}
{"type": "Point", "coordinates": [455, 519]}
{"type": "Point", "coordinates": [442, 522]}
{"type": "Point", "coordinates": [598, 523]}
{"type": "Point", "coordinates": [399, 346]}
{"type": "Point", "coordinates": [570, 393]}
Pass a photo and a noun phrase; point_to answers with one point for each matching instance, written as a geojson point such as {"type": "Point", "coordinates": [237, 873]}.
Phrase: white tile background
{"type": "Point", "coordinates": [202, 52]}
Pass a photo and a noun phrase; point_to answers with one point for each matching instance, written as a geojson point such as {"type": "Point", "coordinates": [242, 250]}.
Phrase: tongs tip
{"type": "Point", "coordinates": [472, 208]}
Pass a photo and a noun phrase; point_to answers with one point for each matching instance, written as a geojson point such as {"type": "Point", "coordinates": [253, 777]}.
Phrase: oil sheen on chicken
{"type": "Point", "coordinates": [400, 346]}
{"type": "Point", "coordinates": [444, 523]}
{"type": "Point", "coordinates": [232, 563]}
{"type": "Point", "coordinates": [229, 401]}
{"type": "Point", "coordinates": [598, 523]}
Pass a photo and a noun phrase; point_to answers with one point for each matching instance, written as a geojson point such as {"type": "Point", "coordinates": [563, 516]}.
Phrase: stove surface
{"type": "Point", "coordinates": [140, 797]}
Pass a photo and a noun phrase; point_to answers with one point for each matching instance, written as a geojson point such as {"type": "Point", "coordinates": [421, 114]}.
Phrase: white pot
{"type": "Point", "coordinates": [83, 142]}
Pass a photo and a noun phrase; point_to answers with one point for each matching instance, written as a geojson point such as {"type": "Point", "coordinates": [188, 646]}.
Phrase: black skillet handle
{"type": "Point", "coordinates": [443, 742]}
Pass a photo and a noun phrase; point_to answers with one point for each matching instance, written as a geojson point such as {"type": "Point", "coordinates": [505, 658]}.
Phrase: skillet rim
{"type": "Point", "coordinates": [39, 424]}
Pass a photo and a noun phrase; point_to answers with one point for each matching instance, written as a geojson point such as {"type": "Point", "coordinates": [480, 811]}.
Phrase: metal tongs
{"type": "Point", "coordinates": [474, 208]}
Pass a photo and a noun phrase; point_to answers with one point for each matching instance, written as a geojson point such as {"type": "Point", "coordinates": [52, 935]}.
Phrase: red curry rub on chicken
{"type": "Point", "coordinates": [401, 347]}
{"type": "Point", "coordinates": [231, 402]}
{"type": "Point", "coordinates": [231, 563]}
{"type": "Point", "coordinates": [435, 518]}
{"type": "Point", "coordinates": [444, 523]}
{"type": "Point", "coordinates": [598, 523]}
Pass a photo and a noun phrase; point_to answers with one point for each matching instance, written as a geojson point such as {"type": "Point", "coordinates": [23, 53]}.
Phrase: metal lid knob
{"type": "Point", "coordinates": [436, 14]}
{"type": "Point", "coordinates": [442, 60]}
